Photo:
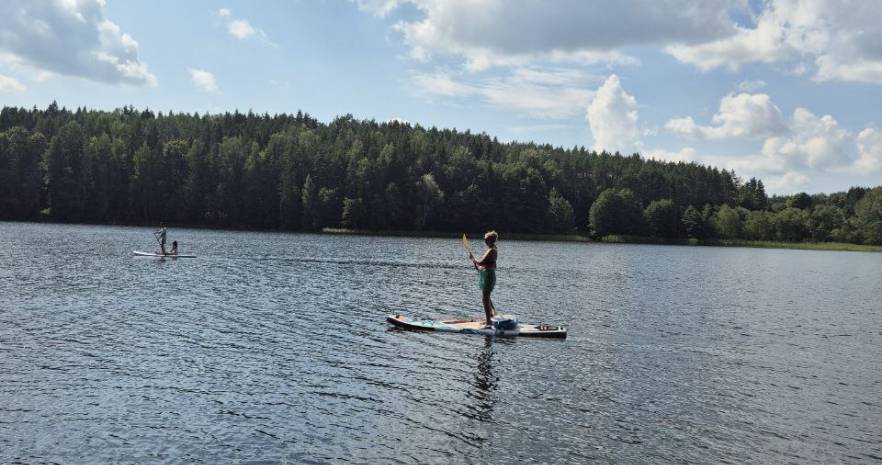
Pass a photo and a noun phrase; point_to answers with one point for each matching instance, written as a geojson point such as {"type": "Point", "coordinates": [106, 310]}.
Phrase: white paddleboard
{"type": "Point", "coordinates": [139, 253]}
{"type": "Point", "coordinates": [477, 327]}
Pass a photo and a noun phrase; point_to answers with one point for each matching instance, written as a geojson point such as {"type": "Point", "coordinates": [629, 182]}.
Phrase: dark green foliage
{"type": "Point", "coordinates": [728, 223]}
{"type": "Point", "coordinates": [661, 219]}
{"type": "Point", "coordinates": [616, 211]}
{"type": "Point", "coordinates": [760, 226]}
{"type": "Point", "coordinates": [21, 176]}
{"type": "Point", "coordinates": [792, 224]}
{"type": "Point", "coordinates": [698, 224]}
{"type": "Point", "coordinates": [868, 211]}
{"type": "Point", "coordinates": [559, 218]}
{"type": "Point", "coordinates": [824, 222]}
{"type": "Point", "coordinates": [65, 176]}
{"type": "Point", "coordinates": [801, 201]}
{"type": "Point", "coordinates": [752, 195]}
{"type": "Point", "coordinates": [293, 172]}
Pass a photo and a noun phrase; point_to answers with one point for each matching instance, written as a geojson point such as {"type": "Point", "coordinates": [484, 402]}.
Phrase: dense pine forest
{"type": "Point", "coordinates": [293, 172]}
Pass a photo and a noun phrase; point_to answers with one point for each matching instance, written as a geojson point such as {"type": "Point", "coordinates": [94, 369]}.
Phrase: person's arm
{"type": "Point", "coordinates": [483, 259]}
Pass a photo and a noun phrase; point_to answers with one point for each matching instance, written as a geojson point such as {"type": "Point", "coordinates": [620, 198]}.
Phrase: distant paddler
{"type": "Point", "coordinates": [486, 267]}
{"type": "Point", "coordinates": [160, 237]}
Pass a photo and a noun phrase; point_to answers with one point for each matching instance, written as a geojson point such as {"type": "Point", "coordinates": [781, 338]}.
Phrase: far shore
{"type": "Point", "coordinates": [615, 239]}
{"type": "Point", "coordinates": [611, 239]}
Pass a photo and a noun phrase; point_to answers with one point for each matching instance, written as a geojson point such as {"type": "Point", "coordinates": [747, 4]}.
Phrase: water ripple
{"type": "Point", "coordinates": [272, 348]}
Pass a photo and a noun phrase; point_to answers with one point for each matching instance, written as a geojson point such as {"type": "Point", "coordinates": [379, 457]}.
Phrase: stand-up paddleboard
{"type": "Point", "coordinates": [478, 327]}
{"type": "Point", "coordinates": [139, 253]}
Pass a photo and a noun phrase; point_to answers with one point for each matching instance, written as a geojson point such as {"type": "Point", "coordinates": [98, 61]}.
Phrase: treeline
{"type": "Point", "coordinates": [854, 216]}
{"type": "Point", "coordinates": [293, 172]}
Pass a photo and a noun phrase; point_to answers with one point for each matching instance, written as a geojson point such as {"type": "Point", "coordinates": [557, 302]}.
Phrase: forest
{"type": "Point", "coordinates": [293, 172]}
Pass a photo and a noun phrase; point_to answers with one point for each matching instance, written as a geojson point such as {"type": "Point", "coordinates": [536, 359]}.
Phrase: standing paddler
{"type": "Point", "coordinates": [486, 267]}
{"type": "Point", "coordinates": [160, 237]}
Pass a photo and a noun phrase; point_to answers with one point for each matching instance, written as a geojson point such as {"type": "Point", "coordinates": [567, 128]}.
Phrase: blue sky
{"type": "Point", "coordinates": [786, 90]}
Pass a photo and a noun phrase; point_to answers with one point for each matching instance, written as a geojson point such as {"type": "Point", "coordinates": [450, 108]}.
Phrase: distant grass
{"type": "Point", "coordinates": [837, 246]}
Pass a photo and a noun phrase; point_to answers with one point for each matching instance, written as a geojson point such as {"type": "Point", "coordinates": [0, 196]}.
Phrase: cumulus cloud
{"type": "Point", "coordinates": [547, 94]}
{"type": "Point", "coordinates": [790, 181]}
{"type": "Point", "coordinates": [869, 144]}
{"type": "Point", "coordinates": [741, 115]}
{"type": "Point", "coordinates": [813, 142]}
{"type": "Point", "coordinates": [792, 152]}
{"type": "Point", "coordinates": [685, 155]}
{"type": "Point", "coordinates": [241, 29]}
{"type": "Point", "coordinates": [204, 80]}
{"type": "Point", "coordinates": [612, 117]}
{"type": "Point", "coordinates": [751, 86]}
{"type": "Point", "coordinates": [8, 84]}
{"type": "Point", "coordinates": [841, 41]}
{"type": "Point", "coordinates": [72, 38]}
{"type": "Point", "coordinates": [494, 32]}
{"type": "Point", "coordinates": [826, 38]}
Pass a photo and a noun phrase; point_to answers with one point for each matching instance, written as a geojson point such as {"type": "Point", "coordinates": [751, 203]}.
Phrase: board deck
{"type": "Point", "coordinates": [477, 327]}
{"type": "Point", "coordinates": [139, 253]}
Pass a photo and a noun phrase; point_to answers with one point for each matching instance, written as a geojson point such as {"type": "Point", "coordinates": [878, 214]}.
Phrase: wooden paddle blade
{"type": "Point", "coordinates": [465, 244]}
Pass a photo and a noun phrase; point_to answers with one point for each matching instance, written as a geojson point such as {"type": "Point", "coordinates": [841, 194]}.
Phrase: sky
{"type": "Point", "coordinates": [788, 91]}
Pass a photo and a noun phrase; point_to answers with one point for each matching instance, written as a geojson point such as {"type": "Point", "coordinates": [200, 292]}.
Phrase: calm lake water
{"type": "Point", "coordinates": [272, 348]}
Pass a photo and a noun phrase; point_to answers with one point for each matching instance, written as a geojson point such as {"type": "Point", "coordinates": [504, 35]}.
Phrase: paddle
{"type": "Point", "coordinates": [156, 236]}
{"type": "Point", "coordinates": [465, 245]}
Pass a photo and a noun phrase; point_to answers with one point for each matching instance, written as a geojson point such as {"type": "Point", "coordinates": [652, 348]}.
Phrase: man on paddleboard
{"type": "Point", "coordinates": [160, 237]}
{"type": "Point", "coordinates": [486, 267]}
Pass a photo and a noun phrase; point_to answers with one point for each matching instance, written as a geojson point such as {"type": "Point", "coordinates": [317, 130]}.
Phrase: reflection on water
{"type": "Point", "coordinates": [273, 348]}
{"type": "Point", "coordinates": [484, 393]}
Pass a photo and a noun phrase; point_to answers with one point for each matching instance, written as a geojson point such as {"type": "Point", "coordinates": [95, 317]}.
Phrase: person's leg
{"type": "Point", "coordinates": [492, 307]}
{"type": "Point", "coordinates": [488, 307]}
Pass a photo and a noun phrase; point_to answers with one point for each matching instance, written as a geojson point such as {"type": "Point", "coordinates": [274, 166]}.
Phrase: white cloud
{"type": "Point", "coordinates": [378, 7]}
{"type": "Point", "coordinates": [488, 33]}
{"type": "Point", "coordinates": [612, 117]}
{"type": "Point", "coordinates": [8, 84]}
{"type": "Point", "coordinates": [841, 39]}
{"type": "Point", "coordinates": [751, 86]}
{"type": "Point", "coordinates": [241, 29]}
{"type": "Point", "coordinates": [813, 142]}
{"type": "Point", "coordinates": [72, 38]}
{"type": "Point", "coordinates": [547, 94]}
{"type": "Point", "coordinates": [204, 80]}
{"type": "Point", "coordinates": [790, 181]}
{"type": "Point", "coordinates": [806, 147]}
{"type": "Point", "coordinates": [685, 155]}
{"type": "Point", "coordinates": [829, 39]}
{"type": "Point", "coordinates": [869, 143]}
{"type": "Point", "coordinates": [741, 115]}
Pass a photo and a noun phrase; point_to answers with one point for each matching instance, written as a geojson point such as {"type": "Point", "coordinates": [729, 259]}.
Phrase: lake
{"type": "Point", "coordinates": [273, 348]}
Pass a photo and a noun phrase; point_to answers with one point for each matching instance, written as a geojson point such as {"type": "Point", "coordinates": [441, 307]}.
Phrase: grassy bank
{"type": "Point", "coordinates": [839, 246]}
{"type": "Point", "coordinates": [836, 246]}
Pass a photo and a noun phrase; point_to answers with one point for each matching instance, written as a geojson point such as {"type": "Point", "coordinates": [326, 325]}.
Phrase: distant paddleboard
{"type": "Point", "coordinates": [139, 253]}
{"type": "Point", "coordinates": [478, 327]}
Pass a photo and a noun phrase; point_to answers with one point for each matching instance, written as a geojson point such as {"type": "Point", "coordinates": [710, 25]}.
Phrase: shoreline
{"type": "Point", "coordinates": [574, 237]}
{"type": "Point", "coordinates": [617, 239]}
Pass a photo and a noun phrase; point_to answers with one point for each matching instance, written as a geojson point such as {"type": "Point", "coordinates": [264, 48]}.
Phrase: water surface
{"type": "Point", "coordinates": [272, 348]}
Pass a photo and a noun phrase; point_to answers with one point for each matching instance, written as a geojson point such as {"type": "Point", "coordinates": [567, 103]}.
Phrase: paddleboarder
{"type": "Point", "coordinates": [486, 267]}
{"type": "Point", "coordinates": [160, 237]}
{"type": "Point", "coordinates": [174, 249]}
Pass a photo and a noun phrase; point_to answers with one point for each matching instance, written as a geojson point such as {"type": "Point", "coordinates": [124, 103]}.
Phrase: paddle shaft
{"type": "Point", "coordinates": [465, 245]}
